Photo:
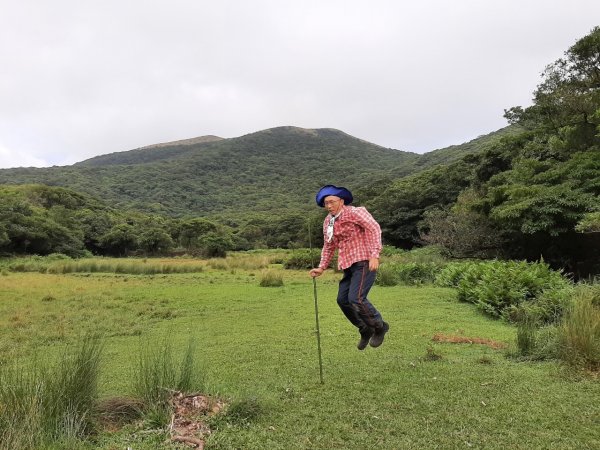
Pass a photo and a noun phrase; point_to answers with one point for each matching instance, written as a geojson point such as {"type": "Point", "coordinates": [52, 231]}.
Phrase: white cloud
{"type": "Point", "coordinates": [86, 78]}
{"type": "Point", "coordinates": [12, 158]}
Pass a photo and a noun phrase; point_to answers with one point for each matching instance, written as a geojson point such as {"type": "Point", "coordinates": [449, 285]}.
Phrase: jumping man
{"type": "Point", "coordinates": [357, 237]}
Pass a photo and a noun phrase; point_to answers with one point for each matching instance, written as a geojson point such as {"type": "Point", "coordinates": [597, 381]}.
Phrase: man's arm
{"type": "Point", "coordinates": [372, 236]}
{"type": "Point", "coordinates": [372, 231]}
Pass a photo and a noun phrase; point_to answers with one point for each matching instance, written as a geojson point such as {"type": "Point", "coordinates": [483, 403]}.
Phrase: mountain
{"type": "Point", "coordinates": [149, 153]}
{"type": "Point", "coordinates": [449, 154]}
{"type": "Point", "coordinates": [273, 170]}
{"type": "Point", "coordinates": [270, 170]}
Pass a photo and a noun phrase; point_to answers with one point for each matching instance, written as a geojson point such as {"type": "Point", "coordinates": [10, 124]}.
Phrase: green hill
{"type": "Point", "coordinates": [278, 169]}
{"type": "Point", "coordinates": [454, 152]}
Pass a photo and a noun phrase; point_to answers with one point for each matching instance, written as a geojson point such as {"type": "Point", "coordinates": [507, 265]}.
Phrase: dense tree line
{"type": "Point", "coordinates": [532, 194]}
{"type": "Point", "coordinates": [39, 219]}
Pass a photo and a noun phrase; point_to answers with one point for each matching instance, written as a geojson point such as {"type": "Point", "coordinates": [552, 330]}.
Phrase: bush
{"type": "Point", "coordinates": [547, 308]}
{"type": "Point", "coordinates": [417, 273]}
{"type": "Point", "coordinates": [497, 286]}
{"type": "Point", "coordinates": [391, 274]}
{"type": "Point", "coordinates": [430, 254]}
{"type": "Point", "coordinates": [303, 259]}
{"type": "Point", "coordinates": [386, 275]}
{"type": "Point", "coordinates": [451, 274]}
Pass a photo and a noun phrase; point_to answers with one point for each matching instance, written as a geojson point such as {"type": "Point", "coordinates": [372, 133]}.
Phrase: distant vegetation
{"type": "Point", "coordinates": [528, 191]}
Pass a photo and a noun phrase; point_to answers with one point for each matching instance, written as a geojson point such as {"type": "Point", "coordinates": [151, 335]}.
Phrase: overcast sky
{"type": "Point", "coordinates": [80, 78]}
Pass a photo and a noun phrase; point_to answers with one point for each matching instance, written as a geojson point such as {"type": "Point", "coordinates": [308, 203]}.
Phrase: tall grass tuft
{"type": "Point", "coordinates": [579, 333]}
{"type": "Point", "coordinates": [271, 279]}
{"type": "Point", "coordinates": [43, 404]}
{"type": "Point", "coordinates": [158, 375]}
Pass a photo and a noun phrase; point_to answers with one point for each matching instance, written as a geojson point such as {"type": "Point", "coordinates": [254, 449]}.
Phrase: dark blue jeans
{"type": "Point", "coordinates": [352, 297]}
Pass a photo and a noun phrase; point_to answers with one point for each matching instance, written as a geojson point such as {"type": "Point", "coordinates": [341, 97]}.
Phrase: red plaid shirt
{"type": "Point", "coordinates": [356, 235]}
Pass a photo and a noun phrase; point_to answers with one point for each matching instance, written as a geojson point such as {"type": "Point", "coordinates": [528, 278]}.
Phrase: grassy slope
{"type": "Point", "coordinates": [260, 342]}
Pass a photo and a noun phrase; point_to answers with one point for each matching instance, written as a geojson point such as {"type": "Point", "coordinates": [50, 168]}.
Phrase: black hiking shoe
{"type": "Point", "coordinates": [379, 334]}
{"type": "Point", "coordinates": [364, 339]}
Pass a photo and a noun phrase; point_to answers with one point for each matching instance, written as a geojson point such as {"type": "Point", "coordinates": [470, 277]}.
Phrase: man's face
{"type": "Point", "coordinates": [333, 204]}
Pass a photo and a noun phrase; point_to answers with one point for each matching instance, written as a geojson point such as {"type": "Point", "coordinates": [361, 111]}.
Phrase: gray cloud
{"type": "Point", "coordinates": [80, 79]}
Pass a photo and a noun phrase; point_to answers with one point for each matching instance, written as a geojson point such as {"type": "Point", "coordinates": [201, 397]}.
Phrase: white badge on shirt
{"type": "Point", "coordinates": [330, 229]}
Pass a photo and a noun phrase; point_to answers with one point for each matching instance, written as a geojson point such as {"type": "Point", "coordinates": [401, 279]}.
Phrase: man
{"type": "Point", "coordinates": [357, 237]}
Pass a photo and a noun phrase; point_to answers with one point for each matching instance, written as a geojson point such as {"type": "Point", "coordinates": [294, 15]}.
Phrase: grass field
{"type": "Point", "coordinates": [257, 344]}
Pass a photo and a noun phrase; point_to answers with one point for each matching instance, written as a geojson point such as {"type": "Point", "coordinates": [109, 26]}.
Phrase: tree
{"type": "Point", "coordinates": [461, 231]}
{"type": "Point", "coordinates": [155, 241]}
{"type": "Point", "coordinates": [401, 207]}
{"type": "Point", "coordinates": [191, 231]}
{"type": "Point", "coordinates": [566, 105]}
{"type": "Point", "coordinates": [215, 244]}
{"type": "Point", "coordinates": [590, 223]}
{"type": "Point", "coordinates": [120, 240]}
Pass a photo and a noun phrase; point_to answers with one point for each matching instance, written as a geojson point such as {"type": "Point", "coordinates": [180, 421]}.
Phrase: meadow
{"type": "Point", "coordinates": [256, 347]}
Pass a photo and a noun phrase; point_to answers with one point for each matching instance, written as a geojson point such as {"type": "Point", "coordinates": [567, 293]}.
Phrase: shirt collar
{"type": "Point", "coordinates": [339, 213]}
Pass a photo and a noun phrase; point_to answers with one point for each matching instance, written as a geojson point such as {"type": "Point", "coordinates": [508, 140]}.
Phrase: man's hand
{"type": "Point", "coordinates": [316, 272]}
{"type": "Point", "coordinates": [373, 264]}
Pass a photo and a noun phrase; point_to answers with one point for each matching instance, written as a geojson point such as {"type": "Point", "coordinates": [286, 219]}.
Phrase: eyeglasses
{"type": "Point", "coordinates": [330, 202]}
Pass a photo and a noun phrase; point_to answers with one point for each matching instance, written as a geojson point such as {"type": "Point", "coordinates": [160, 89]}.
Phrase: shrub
{"type": "Point", "coordinates": [451, 274]}
{"type": "Point", "coordinates": [417, 273]}
{"type": "Point", "coordinates": [496, 286]}
{"type": "Point", "coordinates": [391, 274]}
{"type": "Point", "coordinates": [547, 308]}
{"type": "Point", "coordinates": [303, 259]}
{"type": "Point", "coordinates": [386, 275]}
{"type": "Point", "coordinates": [430, 254]}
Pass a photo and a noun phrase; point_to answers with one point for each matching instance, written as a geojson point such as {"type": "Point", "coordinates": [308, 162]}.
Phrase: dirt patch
{"type": "Point", "coordinates": [188, 420]}
{"type": "Point", "coordinates": [454, 339]}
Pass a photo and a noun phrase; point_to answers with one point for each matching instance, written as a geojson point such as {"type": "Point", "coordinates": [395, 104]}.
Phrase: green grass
{"type": "Point", "coordinates": [257, 348]}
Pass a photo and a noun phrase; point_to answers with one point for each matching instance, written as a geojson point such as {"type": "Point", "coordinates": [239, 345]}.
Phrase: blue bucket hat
{"type": "Point", "coordinates": [330, 189]}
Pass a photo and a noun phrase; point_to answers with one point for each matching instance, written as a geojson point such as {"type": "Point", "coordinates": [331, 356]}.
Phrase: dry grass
{"type": "Point", "coordinates": [454, 339]}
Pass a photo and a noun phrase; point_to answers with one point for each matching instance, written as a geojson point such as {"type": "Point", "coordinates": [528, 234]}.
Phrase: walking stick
{"type": "Point", "coordinates": [316, 308]}
{"type": "Point", "coordinates": [318, 330]}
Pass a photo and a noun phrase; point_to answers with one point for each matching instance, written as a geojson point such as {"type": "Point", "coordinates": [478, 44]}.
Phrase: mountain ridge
{"type": "Point", "coordinates": [274, 169]}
